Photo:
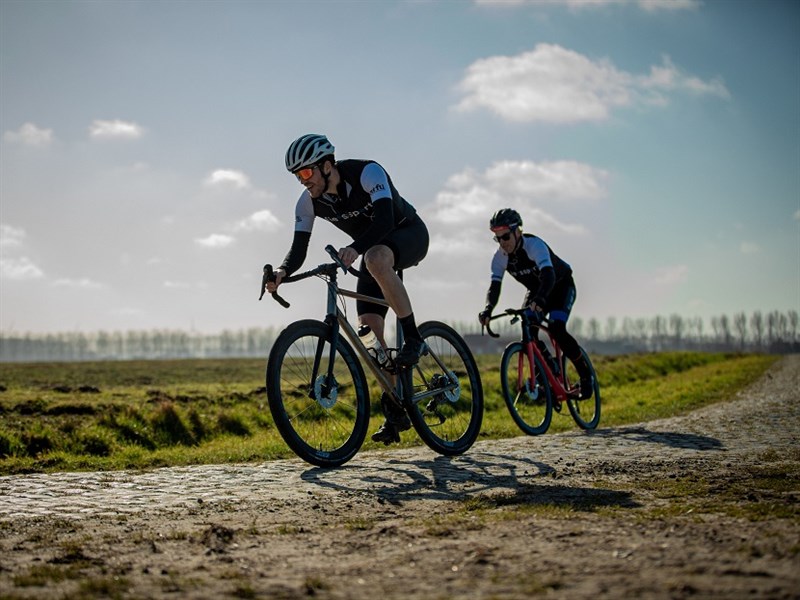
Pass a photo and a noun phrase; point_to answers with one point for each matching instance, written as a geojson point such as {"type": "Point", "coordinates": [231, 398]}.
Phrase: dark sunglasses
{"type": "Point", "coordinates": [305, 174]}
{"type": "Point", "coordinates": [503, 238]}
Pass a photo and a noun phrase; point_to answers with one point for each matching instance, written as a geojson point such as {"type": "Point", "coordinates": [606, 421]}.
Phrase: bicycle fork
{"type": "Point", "coordinates": [527, 384]}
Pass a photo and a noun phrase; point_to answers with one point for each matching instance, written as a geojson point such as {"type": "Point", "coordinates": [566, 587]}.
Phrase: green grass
{"type": "Point", "coordinates": [143, 414]}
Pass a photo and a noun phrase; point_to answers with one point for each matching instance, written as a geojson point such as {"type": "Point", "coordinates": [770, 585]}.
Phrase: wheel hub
{"type": "Point", "coordinates": [325, 392]}
{"type": "Point", "coordinates": [453, 392]}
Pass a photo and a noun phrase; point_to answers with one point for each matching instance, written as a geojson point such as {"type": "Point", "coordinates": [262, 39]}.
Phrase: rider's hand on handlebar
{"type": "Point", "coordinates": [272, 286]}
{"type": "Point", "coordinates": [484, 317]}
{"type": "Point", "coordinates": [348, 256]}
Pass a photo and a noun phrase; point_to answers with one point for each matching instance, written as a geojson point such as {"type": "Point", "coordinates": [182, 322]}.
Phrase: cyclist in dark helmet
{"type": "Point", "coordinates": [547, 278]}
{"type": "Point", "coordinates": [359, 197]}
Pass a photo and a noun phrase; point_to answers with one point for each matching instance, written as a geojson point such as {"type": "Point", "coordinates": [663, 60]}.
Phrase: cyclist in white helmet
{"type": "Point", "coordinates": [359, 198]}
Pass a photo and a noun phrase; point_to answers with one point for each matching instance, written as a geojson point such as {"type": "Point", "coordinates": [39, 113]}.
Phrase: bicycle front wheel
{"type": "Point", "coordinates": [443, 392]}
{"type": "Point", "coordinates": [528, 399]}
{"type": "Point", "coordinates": [585, 412]}
{"type": "Point", "coordinates": [323, 419]}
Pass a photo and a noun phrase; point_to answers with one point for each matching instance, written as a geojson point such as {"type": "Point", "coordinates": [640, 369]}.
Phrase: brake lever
{"type": "Point", "coordinates": [269, 275]}
{"type": "Point", "coordinates": [335, 256]}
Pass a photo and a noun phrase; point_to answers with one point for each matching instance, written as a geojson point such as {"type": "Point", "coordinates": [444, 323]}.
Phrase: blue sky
{"type": "Point", "coordinates": [655, 145]}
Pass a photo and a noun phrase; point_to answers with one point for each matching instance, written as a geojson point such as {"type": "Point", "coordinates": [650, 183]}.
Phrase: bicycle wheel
{"type": "Point", "coordinates": [444, 398]}
{"type": "Point", "coordinates": [530, 403]}
{"type": "Point", "coordinates": [585, 412]}
{"type": "Point", "coordinates": [323, 422]}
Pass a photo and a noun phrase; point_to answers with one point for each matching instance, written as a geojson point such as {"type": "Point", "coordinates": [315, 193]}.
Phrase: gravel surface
{"type": "Point", "coordinates": [665, 509]}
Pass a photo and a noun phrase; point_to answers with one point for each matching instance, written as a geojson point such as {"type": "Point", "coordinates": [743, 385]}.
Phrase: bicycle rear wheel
{"type": "Point", "coordinates": [324, 422]}
{"type": "Point", "coordinates": [530, 403]}
{"type": "Point", "coordinates": [585, 412]}
{"type": "Point", "coordinates": [444, 399]}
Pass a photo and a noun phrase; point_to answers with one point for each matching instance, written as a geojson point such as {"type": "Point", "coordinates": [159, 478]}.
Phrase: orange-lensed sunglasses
{"type": "Point", "coordinates": [305, 174]}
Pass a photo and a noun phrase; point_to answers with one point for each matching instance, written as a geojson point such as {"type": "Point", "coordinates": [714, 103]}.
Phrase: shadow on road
{"type": "Point", "coordinates": [501, 480]}
{"type": "Point", "coordinates": [689, 441]}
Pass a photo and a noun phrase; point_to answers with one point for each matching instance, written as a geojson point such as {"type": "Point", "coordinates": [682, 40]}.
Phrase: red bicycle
{"type": "Point", "coordinates": [534, 383]}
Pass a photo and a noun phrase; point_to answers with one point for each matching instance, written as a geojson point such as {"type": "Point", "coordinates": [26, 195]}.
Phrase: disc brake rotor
{"type": "Point", "coordinates": [324, 393]}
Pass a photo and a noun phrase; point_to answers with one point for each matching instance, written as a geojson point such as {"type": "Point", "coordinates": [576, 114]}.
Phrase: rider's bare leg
{"type": "Point", "coordinates": [379, 261]}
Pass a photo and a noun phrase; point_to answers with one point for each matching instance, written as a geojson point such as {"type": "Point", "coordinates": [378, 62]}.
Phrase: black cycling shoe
{"type": "Point", "coordinates": [413, 349]}
{"type": "Point", "coordinates": [387, 433]}
{"type": "Point", "coordinates": [587, 388]}
{"type": "Point", "coordinates": [396, 415]}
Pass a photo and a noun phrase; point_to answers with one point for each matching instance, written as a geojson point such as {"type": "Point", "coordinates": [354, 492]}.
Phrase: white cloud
{"type": "Point", "coordinates": [262, 220]}
{"type": "Point", "coordinates": [749, 248]}
{"type": "Point", "coordinates": [671, 275]}
{"type": "Point", "coordinates": [575, 5]}
{"type": "Point", "coordinates": [553, 84]}
{"type": "Point", "coordinates": [667, 77]}
{"type": "Point", "coordinates": [548, 180]}
{"type": "Point", "coordinates": [83, 283]}
{"type": "Point", "coordinates": [11, 236]}
{"type": "Point", "coordinates": [796, 215]}
{"type": "Point", "coordinates": [216, 240]}
{"type": "Point", "coordinates": [230, 177]}
{"type": "Point", "coordinates": [185, 285]}
{"type": "Point", "coordinates": [115, 130]}
{"type": "Point", "coordinates": [523, 184]}
{"type": "Point", "coordinates": [656, 5]}
{"type": "Point", "coordinates": [19, 269]}
{"type": "Point", "coordinates": [29, 135]}
{"type": "Point", "coordinates": [177, 285]}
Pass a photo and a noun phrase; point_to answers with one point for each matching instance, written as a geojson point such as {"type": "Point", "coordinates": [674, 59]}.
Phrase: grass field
{"type": "Point", "coordinates": [143, 414]}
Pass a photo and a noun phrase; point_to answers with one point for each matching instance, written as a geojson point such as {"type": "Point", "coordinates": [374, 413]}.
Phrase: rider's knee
{"type": "Point", "coordinates": [379, 259]}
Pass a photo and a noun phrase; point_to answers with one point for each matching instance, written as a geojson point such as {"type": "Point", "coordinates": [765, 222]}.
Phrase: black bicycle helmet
{"type": "Point", "coordinates": [307, 150]}
{"type": "Point", "coordinates": [505, 218]}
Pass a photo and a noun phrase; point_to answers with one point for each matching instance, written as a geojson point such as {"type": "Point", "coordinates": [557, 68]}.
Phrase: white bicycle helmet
{"type": "Point", "coordinates": [306, 151]}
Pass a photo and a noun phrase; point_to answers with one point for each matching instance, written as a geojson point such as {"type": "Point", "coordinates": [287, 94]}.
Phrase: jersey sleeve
{"type": "Point", "coordinates": [375, 182]}
{"type": "Point", "coordinates": [538, 252]}
{"type": "Point", "coordinates": [304, 213]}
{"type": "Point", "coordinates": [499, 264]}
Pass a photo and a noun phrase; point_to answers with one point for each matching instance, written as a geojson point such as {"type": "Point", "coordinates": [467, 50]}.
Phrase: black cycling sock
{"type": "Point", "coordinates": [409, 327]}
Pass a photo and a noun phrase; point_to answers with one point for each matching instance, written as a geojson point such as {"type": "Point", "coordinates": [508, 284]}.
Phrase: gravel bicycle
{"type": "Point", "coordinates": [535, 382]}
{"type": "Point", "coordinates": [318, 392]}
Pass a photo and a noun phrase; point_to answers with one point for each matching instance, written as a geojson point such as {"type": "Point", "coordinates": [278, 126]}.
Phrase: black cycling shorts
{"type": "Point", "coordinates": [559, 301]}
{"type": "Point", "coordinates": [409, 244]}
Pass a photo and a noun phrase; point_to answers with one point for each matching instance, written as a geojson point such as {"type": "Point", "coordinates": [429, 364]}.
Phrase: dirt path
{"type": "Point", "coordinates": [664, 509]}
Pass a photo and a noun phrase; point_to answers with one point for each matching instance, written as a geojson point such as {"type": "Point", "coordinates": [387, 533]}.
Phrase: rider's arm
{"type": "Point", "coordinates": [547, 279]}
{"type": "Point", "coordinates": [538, 251]}
{"type": "Point", "coordinates": [303, 224]}
{"type": "Point", "coordinates": [499, 264]}
{"type": "Point", "coordinates": [493, 295]}
{"type": "Point", "coordinates": [297, 252]}
{"type": "Point", "coordinates": [375, 182]}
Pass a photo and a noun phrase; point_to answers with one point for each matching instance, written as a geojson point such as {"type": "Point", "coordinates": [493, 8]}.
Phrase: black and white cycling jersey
{"type": "Point", "coordinates": [526, 262]}
{"type": "Point", "coordinates": [352, 209]}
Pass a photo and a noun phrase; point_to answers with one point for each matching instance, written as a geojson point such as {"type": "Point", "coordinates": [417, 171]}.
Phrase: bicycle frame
{"type": "Point", "coordinates": [337, 320]}
{"type": "Point", "coordinates": [558, 383]}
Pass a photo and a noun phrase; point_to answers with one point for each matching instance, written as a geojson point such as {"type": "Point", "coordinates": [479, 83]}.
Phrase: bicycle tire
{"type": "Point", "coordinates": [448, 422]}
{"type": "Point", "coordinates": [586, 413]}
{"type": "Point", "coordinates": [531, 409]}
{"type": "Point", "coordinates": [324, 428]}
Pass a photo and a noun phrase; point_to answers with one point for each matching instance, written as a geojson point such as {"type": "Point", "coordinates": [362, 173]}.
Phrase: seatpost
{"type": "Point", "coordinates": [399, 329]}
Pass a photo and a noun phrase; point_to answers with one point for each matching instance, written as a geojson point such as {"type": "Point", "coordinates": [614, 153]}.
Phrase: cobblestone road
{"type": "Point", "coordinates": [752, 423]}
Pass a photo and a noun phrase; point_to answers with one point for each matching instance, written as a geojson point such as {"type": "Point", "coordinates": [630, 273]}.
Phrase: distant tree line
{"type": "Point", "coordinates": [132, 345]}
{"type": "Point", "coordinates": [773, 332]}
